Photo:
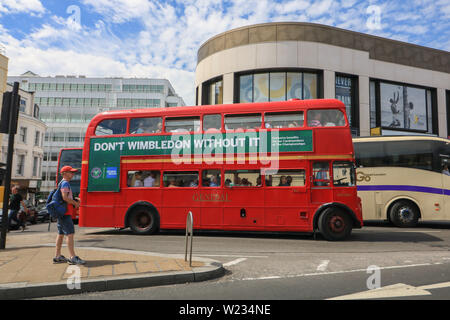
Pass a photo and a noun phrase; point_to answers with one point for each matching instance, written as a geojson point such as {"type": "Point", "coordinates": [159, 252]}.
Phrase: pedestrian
{"type": "Point", "coordinates": [65, 223]}
{"type": "Point", "coordinates": [14, 207]}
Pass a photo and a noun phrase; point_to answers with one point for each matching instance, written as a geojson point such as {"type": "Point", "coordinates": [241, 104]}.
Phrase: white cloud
{"type": "Point", "coordinates": [168, 34]}
{"type": "Point", "coordinates": [16, 6]}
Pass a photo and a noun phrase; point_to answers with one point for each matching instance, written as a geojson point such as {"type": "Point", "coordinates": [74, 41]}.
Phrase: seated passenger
{"type": "Point", "coordinates": [213, 182]}
{"type": "Point", "coordinates": [138, 181]}
{"type": "Point", "coordinates": [150, 180]}
{"type": "Point", "coordinates": [172, 183]}
{"type": "Point", "coordinates": [316, 120]}
{"type": "Point", "coordinates": [283, 182]}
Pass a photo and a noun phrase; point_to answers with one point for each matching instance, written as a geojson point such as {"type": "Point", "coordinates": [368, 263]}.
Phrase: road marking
{"type": "Point", "coordinates": [338, 272]}
{"type": "Point", "coordinates": [234, 262]}
{"type": "Point", "coordinates": [323, 265]}
{"type": "Point", "coordinates": [392, 291]}
{"type": "Point", "coordinates": [227, 255]}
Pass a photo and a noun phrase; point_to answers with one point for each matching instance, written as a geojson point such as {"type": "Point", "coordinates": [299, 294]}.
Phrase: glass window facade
{"type": "Point", "coordinates": [277, 86]}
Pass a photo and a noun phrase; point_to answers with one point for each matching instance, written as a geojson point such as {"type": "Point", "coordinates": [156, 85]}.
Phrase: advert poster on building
{"type": "Point", "coordinates": [403, 107]}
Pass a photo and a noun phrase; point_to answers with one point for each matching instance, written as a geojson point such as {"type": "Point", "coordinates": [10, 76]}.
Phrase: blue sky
{"type": "Point", "coordinates": [147, 38]}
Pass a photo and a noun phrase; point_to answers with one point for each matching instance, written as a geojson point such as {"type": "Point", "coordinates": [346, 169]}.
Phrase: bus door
{"type": "Point", "coordinates": [344, 182]}
{"type": "Point", "coordinates": [179, 190]}
{"type": "Point", "coordinates": [286, 199]}
{"type": "Point", "coordinates": [321, 191]}
{"type": "Point", "coordinates": [245, 205]}
{"type": "Point", "coordinates": [445, 161]}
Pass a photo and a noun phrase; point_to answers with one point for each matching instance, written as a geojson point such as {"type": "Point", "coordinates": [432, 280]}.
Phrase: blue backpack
{"type": "Point", "coordinates": [56, 206]}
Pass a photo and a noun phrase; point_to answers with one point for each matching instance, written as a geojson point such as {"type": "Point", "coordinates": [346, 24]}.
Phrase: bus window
{"type": "Point", "coordinates": [146, 125]}
{"type": "Point", "coordinates": [151, 178]}
{"type": "Point", "coordinates": [325, 118]}
{"type": "Point", "coordinates": [286, 178]}
{"type": "Point", "coordinates": [283, 120]}
{"type": "Point", "coordinates": [243, 178]}
{"type": "Point", "coordinates": [321, 174]}
{"type": "Point", "coordinates": [343, 174]}
{"type": "Point", "coordinates": [212, 122]}
{"type": "Point", "coordinates": [242, 121]}
{"type": "Point", "coordinates": [180, 179]}
{"type": "Point", "coordinates": [111, 126]}
{"type": "Point", "coordinates": [211, 178]}
{"type": "Point", "coordinates": [183, 124]}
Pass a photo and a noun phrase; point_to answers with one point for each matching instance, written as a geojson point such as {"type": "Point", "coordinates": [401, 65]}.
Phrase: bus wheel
{"type": "Point", "coordinates": [334, 224]}
{"type": "Point", "coordinates": [404, 214]}
{"type": "Point", "coordinates": [144, 220]}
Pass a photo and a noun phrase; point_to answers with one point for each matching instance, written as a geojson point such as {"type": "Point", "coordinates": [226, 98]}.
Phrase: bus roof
{"type": "Point", "coordinates": [399, 138]}
{"type": "Point", "coordinates": [223, 108]}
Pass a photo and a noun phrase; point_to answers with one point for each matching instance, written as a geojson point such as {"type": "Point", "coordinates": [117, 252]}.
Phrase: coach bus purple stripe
{"type": "Point", "coordinates": [404, 188]}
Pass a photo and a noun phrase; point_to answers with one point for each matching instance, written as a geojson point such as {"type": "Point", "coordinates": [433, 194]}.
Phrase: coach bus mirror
{"type": "Point", "coordinates": [243, 213]}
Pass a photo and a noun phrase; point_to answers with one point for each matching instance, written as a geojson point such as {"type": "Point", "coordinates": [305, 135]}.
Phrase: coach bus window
{"type": "Point", "coordinates": [145, 125]}
{"type": "Point", "coordinates": [343, 174]}
{"type": "Point", "coordinates": [321, 174]}
{"type": "Point", "coordinates": [211, 178]}
{"type": "Point", "coordinates": [183, 124]}
{"type": "Point", "coordinates": [325, 118]}
{"type": "Point", "coordinates": [283, 120]}
{"type": "Point", "coordinates": [242, 121]}
{"type": "Point", "coordinates": [111, 126]}
{"type": "Point", "coordinates": [286, 178]}
{"type": "Point", "coordinates": [243, 178]}
{"type": "Point", "coordinates": [180, 179]}
{"type": "Point", "coordinates": [212, 122]}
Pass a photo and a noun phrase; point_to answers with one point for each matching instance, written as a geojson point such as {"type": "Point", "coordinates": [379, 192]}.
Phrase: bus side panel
{"type": "Point", "coordinates": [99, 209]}
{"type": "Point", "coordinates": [287, 209]}
{"type": "Point", "coordinates": [176, 204]}
{"type": "Point", "coordinates": [245, 210]}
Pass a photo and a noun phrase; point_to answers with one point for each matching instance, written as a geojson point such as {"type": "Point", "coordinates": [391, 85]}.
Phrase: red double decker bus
{"type": "Point", "coordinates": [276, 166]}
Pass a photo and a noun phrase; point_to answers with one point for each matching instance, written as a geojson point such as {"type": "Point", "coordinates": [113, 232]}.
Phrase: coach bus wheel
{"type": "Point", "coordinates": [334, 224]}
{"type": "Point", "coordinates": [143, 220]}
{"type": "Point", "coordinates": [404, 214]}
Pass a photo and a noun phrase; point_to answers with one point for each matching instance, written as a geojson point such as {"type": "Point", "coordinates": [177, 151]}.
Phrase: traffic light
{"type": "Point", "coordinates": [10, 111]}
{"type": "Point", "coordinates": [2, 172]}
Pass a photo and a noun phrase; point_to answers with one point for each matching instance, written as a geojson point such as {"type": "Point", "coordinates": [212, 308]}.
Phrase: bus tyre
{"type": "Point", "coordinates": [144, 220]}
{"type": "Point", "coordinates": [335, 224]}
{"type": "Point", "coordinates": [404, 214]}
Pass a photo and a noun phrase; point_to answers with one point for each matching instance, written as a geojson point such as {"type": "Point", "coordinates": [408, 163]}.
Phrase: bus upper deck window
{"type": "Point", "coordinates": [280, 120]}
{"type": "Point", "coordinates": [212, 122]}
{"type": "Point", "coordinates": [183, 124]}
{"type": "Point", "coordinates": [111, 126]}
{"type": "Point", "coordinates": [325, 118]}
{"type": "Point", "coordinates": [242, 121]}
{"type": "Point", "coordinates": [146, 125]}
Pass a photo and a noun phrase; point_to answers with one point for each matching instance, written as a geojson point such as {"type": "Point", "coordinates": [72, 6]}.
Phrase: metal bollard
{"type": "Point", "coordinates": [189, 230]}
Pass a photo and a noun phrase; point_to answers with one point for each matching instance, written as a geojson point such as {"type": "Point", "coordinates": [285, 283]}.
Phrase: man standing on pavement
{"type": "Point", "coordinates": [65, 224]}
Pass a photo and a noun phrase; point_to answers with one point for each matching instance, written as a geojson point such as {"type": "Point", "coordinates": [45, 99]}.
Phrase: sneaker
{"type": "Point", "coordinates": [76, 260]}
{"type": "Point", "coordinates": [60, 259]}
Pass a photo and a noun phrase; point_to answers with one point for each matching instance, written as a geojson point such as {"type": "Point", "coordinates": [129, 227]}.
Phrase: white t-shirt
{"type": "Point", "coordinates": [149, 181]}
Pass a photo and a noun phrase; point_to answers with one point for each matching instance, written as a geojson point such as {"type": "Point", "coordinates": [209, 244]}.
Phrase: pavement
{"type": "Point", "coordinates": [27, 269]}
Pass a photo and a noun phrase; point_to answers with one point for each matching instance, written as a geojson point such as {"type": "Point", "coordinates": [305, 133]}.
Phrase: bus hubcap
{"type": "Point", "coordinates": [337, 224]}
{"type": "Point", "coordinates": [405, 214]}
{"type": "Point", "coordinates": [143, 220]}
